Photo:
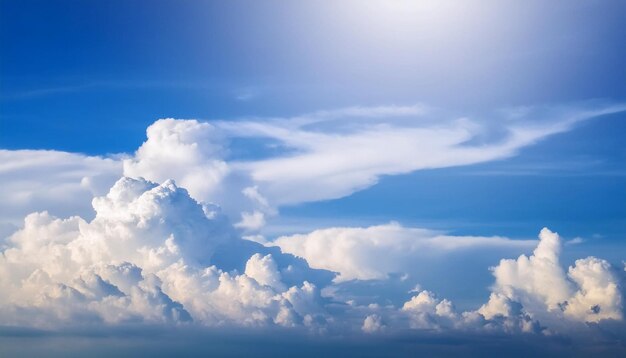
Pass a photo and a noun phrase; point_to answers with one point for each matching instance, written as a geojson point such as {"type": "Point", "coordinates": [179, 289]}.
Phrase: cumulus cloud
{"type": "Point", "coordinates": [426, 312]}
{"type": "Point", "coordinates": [376, 251]}
{"type": "Point", "coordinates": [188, 151]}
{"type": "Point", "coordinates": [528, 293]}
{"type": "Point", "coordinates": [531, 294]}
{"type": "Point", "coordinates": [148, 257]}
{"type": "Point", "coordinates": [373, 324]}
{"type": "Point", "coordinates": [145, 257]}
{"type": "Point", "coordinates": [160, 254]}
{"type": "Point", "coordinates": [599, 296]}
{"type": "Point", "coordinates": [424, 306]}
{"type": "Point", "coordinates": [538, 276]}
{"type": "Point", "coordinates": [589, 292]}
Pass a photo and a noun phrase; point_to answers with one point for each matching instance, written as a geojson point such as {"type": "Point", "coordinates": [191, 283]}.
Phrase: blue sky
{"type": "Point", "coordinates": [90, 79]}
{"type": "Point", "coordinates": [135, 63]}
{"type": "Point", "coordinates": [486, 119]}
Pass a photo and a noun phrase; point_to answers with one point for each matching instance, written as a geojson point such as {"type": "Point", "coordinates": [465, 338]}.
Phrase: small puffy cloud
{"type": "Point", "coordinates": [372, 324]}
{"type": "Point", "coordinates": [425, 310]}
{"type": "Point", "coordinates": [376, 251]}
{"type": "Point", "coordinates": [263, 269]}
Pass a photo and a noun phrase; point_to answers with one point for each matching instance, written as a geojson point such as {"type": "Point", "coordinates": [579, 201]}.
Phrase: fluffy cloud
{"type": "Point", "coordinates": [590, 291]}
{"type": "Point", "coordinates": [599, 296]}
{"type": "Point", "coordinates": [426, 311]}
{"type": "Point", "coordinates": [424, 306]}
{"type": "Point", "coordinates": [185, 150]}
{"type": "Point", "coordinates": [157, 253]}
{"type": "Point", "coordinates": [528, 293]}
{"type": "Point", "coordinates": [376, 251]}
{"type": "Point", "coordinates": [373, 324]}
{"type": "Point", "coordinates": [145, 257]}
{"type": "Point", "coordinates": [539, 276]}
{"type": "Point", "coordinates": [148, 257]}
{"type": "Point", "coordinates": [531, 295]}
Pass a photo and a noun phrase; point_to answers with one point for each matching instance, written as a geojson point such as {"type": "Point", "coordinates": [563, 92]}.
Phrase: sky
{"type": "Point", "coordinates": [318, 177]}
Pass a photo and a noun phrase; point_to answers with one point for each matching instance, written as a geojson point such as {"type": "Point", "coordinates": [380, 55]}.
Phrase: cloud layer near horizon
{"type": "Point", "coordinates": [148, 257]}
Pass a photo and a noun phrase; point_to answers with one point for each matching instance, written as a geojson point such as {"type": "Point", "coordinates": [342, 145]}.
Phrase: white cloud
{"type": "Point", "coordinates": [425, 310]}
{"type": "Point", "coordinates": [62, 183]}
{"type": "Point", "coordinates": [529, 293]}
{"type": "Point", "coordinates": [538, 276]}
{"type": "Point", "coordinates": [372, 324]}
{"type": "Point", "coordinates": [333, 158]}
{"type": "Point", "coordinates": [263, 269]}
{"type": "Point", "coordinates": [145, 257]}
{"type": "Point", "coordinates": [376, 251]}
{"type": "Point", "coordinates": [590, 292]}
{"type": "Point", "coordinates": [148, 256]}
{"type": "Point", "coordinates": [185, 150]}
{"type": "Point", "coordinates": [599, 296]}
{"type": "Point", "coordinates": [318, 156]}
{"type": "Point", "coordinates": [251, 220]}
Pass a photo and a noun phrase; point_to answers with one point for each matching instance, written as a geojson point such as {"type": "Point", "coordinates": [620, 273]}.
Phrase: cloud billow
{"type": "Point", "coordinates": [148, 258]}
{"type": "Point", "coordinates": [145, 257]}
{"type": "Point", "coordinates": [166, 244]}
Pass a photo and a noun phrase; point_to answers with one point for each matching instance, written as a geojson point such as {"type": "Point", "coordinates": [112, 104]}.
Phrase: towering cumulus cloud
{"type": "Point", "coordinates": [589, 292]}
{"type": "Point", "coordinates": [532, 294]}
{"type": "Point", "coordinates": [144, 258]}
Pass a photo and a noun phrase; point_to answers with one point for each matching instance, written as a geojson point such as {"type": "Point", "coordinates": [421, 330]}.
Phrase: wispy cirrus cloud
{"type": "Point", "coordinates": [335, 153]}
